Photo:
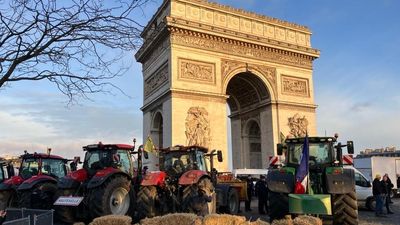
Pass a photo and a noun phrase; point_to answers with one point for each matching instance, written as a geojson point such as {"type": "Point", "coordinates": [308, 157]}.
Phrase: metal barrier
{"type": "Point", "coordinates": [22, 221]}
{"type": "Point", "coordinates": [29, 217]}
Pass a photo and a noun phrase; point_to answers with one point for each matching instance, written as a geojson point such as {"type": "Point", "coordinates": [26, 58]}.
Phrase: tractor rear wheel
{"type": "Point", "coordinates": [344, 208]}
{"type": "Point", "coordinates": [39, 197]}
{"type": "Point", "coordinates": [278, 205]}
{"type": "Point", "coordinates": [191, 191]}
{"type": "Point", "coordinates": [64, 214]}
{"type": "Point", "coordinates": [116, 196]}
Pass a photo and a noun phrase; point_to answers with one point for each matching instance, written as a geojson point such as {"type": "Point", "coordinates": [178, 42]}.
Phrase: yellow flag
{"type": "Point", "coordinates": [149, 146]}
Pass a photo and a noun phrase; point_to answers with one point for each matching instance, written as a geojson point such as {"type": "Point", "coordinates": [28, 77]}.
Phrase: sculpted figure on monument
{"type": "Point", "coordinates": [197, 127]}
{"type": "Point", "coordinates": [298, 125]}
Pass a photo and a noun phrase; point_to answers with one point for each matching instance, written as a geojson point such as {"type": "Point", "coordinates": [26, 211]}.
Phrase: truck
{"type": "Point", "coordinates": [370, 166]}
{"type": "Point", "coordinates": [330, 191]}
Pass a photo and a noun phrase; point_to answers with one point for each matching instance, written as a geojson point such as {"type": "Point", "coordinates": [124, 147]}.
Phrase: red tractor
{"type": "Point", "coordinates": [36, 183]}
{"type": "Point", "coordinates": [105, 185]}
{"type": "Point", "coordinates": [183, 175]}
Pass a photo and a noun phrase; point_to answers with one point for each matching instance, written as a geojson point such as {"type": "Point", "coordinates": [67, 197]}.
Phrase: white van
{"type": "Point", "coordinates": [364, 191]}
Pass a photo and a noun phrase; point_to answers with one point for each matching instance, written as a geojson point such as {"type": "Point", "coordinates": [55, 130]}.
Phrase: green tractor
{"type": "Point", "coordinates": [329, 191]}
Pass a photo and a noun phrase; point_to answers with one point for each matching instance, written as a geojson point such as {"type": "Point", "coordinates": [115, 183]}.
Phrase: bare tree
{"type": "Point", "coordinates": [69, 43]}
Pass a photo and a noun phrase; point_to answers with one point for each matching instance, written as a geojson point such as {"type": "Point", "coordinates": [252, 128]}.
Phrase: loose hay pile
{"type": "Point", "coordinates": [192, 219]}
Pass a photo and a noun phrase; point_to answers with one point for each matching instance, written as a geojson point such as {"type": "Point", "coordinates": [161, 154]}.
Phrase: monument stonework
{"type": "Point", "coordinates": [204, 63]}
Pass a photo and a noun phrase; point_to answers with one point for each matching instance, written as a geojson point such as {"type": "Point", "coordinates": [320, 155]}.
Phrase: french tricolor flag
{"type": "Point", "coordinates": [302, 171]}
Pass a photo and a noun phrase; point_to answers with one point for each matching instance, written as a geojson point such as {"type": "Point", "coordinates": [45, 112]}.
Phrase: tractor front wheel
{"type": "Point", "coordinates": [191, 191]}
{"type": "Point", "coordinates": [344, 208]}
{"type": "Point", "coordinates": [116, 196]}
{"type": "Point", "coordinates": [278, 205]}
{"type": "Point", "coordinates": [148, 202]}
{"type": "Point", "coordinates": [64, 214]}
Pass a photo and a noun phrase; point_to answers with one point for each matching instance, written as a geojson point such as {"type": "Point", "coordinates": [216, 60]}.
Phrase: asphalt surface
{"type": "Point", "coordinates": [365, 217]}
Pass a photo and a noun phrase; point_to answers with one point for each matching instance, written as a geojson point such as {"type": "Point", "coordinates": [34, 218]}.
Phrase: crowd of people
{"type": "Point", "coordinates": [381, 189]}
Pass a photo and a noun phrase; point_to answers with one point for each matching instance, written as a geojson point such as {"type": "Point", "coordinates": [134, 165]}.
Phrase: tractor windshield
{"type": "Point", "coordinates": [97, 159]}
{"type": "Point", "coordinates": [54, 167]}
{"type": "Point", "coordinates": [29, 167]}
{"type": "Point", "coordinates": [1, 173]}
{"type": "Point", "coordinates": [320, 153]}
{"type": "Point", "coordinates": [180, 162]}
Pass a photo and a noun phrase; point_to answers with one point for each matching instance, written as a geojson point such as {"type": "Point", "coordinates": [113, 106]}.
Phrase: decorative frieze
{"type": "Point", "coordinates": [295, 86]}
{"type": "Point", "coordinates": [238, 48]}
{"type": "Point", "coordinates": [196, 71]}
{"type": "Point", "coordinates": [156, 80]}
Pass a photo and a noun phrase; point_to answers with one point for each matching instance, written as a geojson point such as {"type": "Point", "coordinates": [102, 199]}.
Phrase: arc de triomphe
{"type": "Point", "coordinates": [204, 62]}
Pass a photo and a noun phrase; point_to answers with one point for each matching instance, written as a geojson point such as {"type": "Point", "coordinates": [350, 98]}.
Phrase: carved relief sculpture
{"type": "Point", "coordinates": [156, 80]}
{"type": "Point", "coordinates": [295, 86]}
{"type": "Point", "coordinates": [194, 70]}
{"type": "Point", "coordinates": [298, 125]}
{"type": "Point", "coordinates": [197, 127]}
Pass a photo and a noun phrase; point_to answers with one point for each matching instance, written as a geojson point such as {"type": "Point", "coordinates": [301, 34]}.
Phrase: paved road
{"type": "Point", "coordinates": [365, 217]}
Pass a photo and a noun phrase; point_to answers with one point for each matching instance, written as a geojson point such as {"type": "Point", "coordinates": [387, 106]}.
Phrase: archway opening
{"type": "Point", "coordinates": [248, 100]}
{"type": "Point", "coordinates": [157, 130]}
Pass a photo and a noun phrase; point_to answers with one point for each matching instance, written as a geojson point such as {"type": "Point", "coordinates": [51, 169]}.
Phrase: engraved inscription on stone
{"type": "Point", "coordinates": [198, 127]}
{"type": "Point", "coordinates": [195, 70]}
{"type": "Point", "coordinates": [295, 86]}
{"type": "Point", "coordinates": [156, 80]}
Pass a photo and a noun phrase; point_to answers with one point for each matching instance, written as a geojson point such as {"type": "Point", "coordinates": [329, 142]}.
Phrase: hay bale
{"type": "Point", "coordinates": [286, 221]}
{"type": "Point", "coordinates": [307, 220]}
{"type": "Point", "coordinates": [173, 219]}
{"type": "Point", "coordinates": [215, 219]}
{"type": "Point", "coordinates": [112, 220]}
{"type": "Point", "coordinates": [259, 222]}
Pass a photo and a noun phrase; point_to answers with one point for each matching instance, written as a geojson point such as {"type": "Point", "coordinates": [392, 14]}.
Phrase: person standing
{"type": "Point", "coordinates": [378, 193]}
{"type": "Point", "coordinates": [398, 182]}
{"type": "Point", "coordinates": [386, 184]}
{"type": "Point", "coordinates": [262, 193]}
{"type": "Point", "coordinates": [250, 187]}
{"type": "Point", "coordinates": [390, 187]}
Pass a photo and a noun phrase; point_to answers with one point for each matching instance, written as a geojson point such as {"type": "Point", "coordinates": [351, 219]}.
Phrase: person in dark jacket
{"type": "Point", "coordinates": [387, 188]}
{"type": "Point", "coordinates": [250, 187]}
{"type": "Point", "coordinates": [398, 181]}
{"type": "Point", "coordinates": [377, 191]}
{"type": "Point", "coordinates": [262, 193]}
{"type": "Point", "coordinates": [2, 216]}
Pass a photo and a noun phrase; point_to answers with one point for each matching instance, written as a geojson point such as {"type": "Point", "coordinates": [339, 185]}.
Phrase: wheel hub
{"type": "Point", "coordinates": [120, 201]}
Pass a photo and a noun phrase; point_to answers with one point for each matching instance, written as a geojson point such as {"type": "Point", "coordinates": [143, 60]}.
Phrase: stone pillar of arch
{"type": "Point", "coordinates": [198, 57]}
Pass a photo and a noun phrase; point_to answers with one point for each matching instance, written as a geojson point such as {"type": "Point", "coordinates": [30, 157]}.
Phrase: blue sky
{"type": "Point", "coordinates": [356, 84]}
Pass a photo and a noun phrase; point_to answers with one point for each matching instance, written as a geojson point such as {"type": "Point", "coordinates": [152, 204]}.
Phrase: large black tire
{"type": "Point", "coordinates": [233, 202]}
{"type": "Point", "coordinates": [190, 191]}
{"type": "Point", "coordinates": [64, 214]}
{"type": "Point", "coordinates": [39, 197]}
{"type": "Point", "coordinates": [370, 203]}
{"type": "Point", "coordinates": [8, 199]}
{"type": "Point", "coordinates": [116, 196]}
{"type": "Point", "coordinates": [148, 202]}
{"type": "Point", "coordinates": [344, 209]}
{"type": "Point", "coordinates": [278, 205]}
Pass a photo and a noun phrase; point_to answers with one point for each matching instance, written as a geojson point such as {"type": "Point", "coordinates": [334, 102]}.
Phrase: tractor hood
{"type": "Point", "coordinates": [11, 183]}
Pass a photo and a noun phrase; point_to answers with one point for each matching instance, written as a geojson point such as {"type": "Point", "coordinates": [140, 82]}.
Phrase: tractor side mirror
{"type": "Point", "coordinates": [279, 148]}
{"type": "Point", "coordinates": [219, 156]}
{"type": "Point", "coordinates": [73, 166]}
{"type": "Point", "coordinates": [350, 147]}
{"type": "Point", "coordinates": [77, 160]}
{"type": "Point", "coordinates": [10, 170]}
{"type": "Point", "coordinates": [145, 154]}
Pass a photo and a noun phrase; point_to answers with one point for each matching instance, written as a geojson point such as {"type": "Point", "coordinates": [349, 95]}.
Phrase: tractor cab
{"type": "Point", "coordinates": [38, 164]}
{"type": "Point", "coordinates": [99, 157]}
{"type": "Point", "coordinates": [179, 159]}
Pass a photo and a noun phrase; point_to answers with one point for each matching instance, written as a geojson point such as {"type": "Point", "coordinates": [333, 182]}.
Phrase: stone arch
{"type": "Point", "coordinates": [157, 128]}
{"type": "Point", "coordinates": [268, 81]}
